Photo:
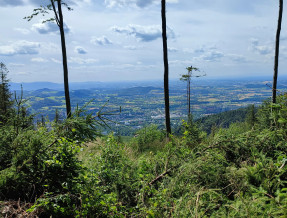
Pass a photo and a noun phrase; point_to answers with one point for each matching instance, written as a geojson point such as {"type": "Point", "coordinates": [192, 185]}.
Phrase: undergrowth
{"type": "Point", "coordinates": [62, 172]}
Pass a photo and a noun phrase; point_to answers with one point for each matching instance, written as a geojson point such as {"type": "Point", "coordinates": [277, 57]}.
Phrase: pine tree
{"type": "Point", "coordinates": [251, 116]}
{"type": "Point", "coordinates": [5, 95]}
{"type": "Point", "coordinates": [57, 116]}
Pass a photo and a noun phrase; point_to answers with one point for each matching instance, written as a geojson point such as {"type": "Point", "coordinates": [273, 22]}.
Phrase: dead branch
{"type": "Point", "coordinates": [159, 177]}
{"type": "Point", "coordinates": [268, 195]}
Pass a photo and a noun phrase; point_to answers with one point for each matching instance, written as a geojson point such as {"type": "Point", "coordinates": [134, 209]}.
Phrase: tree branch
{"type": "Point", "coordinates": [56, 14]}
{"type": "Point", "coordinates": [159, 177]}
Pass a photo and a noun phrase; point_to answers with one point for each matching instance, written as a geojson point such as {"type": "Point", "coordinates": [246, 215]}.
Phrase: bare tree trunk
{"type": "Point", "coordinates": [165, 60]}
{"type": "Point", "coordinates": [276, 59]}
{"type": "Point", "coordinates": [3, 94]}
{"type": "Point", "coordinates": [187, 88]}
{"type": "Point", "coordinates": [189, 97]}
{"type": "Point", "coordinates": [65, 64]}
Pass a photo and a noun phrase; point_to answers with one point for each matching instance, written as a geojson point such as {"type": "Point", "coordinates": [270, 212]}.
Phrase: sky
{"type": "Point", "coordinates": [120, 40]}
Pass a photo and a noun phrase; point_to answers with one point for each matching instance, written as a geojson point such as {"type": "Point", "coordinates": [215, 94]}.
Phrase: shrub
{"type": "Point", "coordinates": [149, 138]}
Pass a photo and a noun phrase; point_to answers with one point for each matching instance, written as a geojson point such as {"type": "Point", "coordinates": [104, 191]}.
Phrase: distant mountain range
{"type": "Point", "coordinates": [129, 84]}
{"type": "Point", "coordinates": [54, 86]}
{"type": "Point", "coordinates": [83, 85]}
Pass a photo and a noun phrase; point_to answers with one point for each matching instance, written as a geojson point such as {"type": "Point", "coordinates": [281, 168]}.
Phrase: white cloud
{"type": "Point", "coordinates": [48, 28]}
{"type": "Point", "coordinates": [101, 41]}
{"type": "Point", "coordinates": [170, 49]}
{"type": "Point", "coordinates": [4, 3]}
{"type": "Point", "coordinates": [50, 46]}
{"type": "Point", "coordinates": [47, 2]}
{"type": "Point", "coordinates": [180, 62]}
{"type": "Point", "coordinates": [22, 73]}
{"type": "Point", "coordinates": [11, 3]}
{"type": "Point", "coordinates": [22, 30]}
{"type": "Point", "coordinates": [143, 3]}
{"type": "Point", "coordinates": [207, 53]}
{"type": "Point", "coordinates": [39, 60]}
{"type": "Point", "coordinates": [237, 58]}
{"type": "Point", "coordinates": [132, 47]}
{"type": "Point", "coordinates": [144, 33]}
{"type": "Point", "coordinates": [80, 50]}
{"type": "Point", "coordinates": [120, 3]}
{"type": "Point", "coordinates": [21, 47]}
{"type": "Point", "coordinates": [56, 61]}
{"type": "Point", "coordinates": [212, 56]}
{"type": "Point", "coordinates": [261, 49]}
{"type": "Point", "coordinates": [16, 65]}
{"type": "Point", "coordinates": [138, 3]}
{"type": "Point", "coordinates": [78, 60]}
{"type": "Point", "coordinates": [203, 49]}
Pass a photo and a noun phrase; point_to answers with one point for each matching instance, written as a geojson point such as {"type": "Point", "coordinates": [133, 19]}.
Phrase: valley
{"type": "Point", "coordinates": [137, 104]}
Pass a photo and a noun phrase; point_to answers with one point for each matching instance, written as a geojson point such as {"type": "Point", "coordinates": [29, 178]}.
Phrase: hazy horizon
{"type": "Point", "coordinates": [205, 78]}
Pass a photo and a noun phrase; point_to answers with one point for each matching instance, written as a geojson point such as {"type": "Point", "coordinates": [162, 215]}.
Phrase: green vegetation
{"type": "Point", "coordinates": [227, 165]}
{"type": "Point", "coordinates": [65, 168]}
{"type": "Point", "coordinates": [5, 95]}
{"type": "Point", "coordinates": [225, 119]}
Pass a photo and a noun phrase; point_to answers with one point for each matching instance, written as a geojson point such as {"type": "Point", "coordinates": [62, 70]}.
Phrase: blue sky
{"type": "Point", "coordinates": [116, 40]}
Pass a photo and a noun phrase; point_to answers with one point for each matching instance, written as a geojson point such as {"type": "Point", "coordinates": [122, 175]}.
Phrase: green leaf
{"type": "Point", "coordinates": [282, 120]}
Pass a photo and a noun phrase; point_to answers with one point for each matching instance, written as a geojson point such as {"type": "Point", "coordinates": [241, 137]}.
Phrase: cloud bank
{"type": "Point", "coordinates": [4, 3]}
{"type": "Point", "coordinates": [261, 49]}
{"type": "Point", "coordinates": [21, 47]}
{"type": "Point", "coordinates": [144, 33]}
{"type": "Point", "coordinates": [137, 3]}
{"type": "Point", "coordinates": [48, 28]}
{"type": "Point", "coordinates": [101, 41]}
{"type": "Point", "coordinates": [80, 50]}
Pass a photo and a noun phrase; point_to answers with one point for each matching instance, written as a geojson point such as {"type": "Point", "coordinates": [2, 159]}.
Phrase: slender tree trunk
{"type": "Point", "coordinates": [189, 97]}
{"type": "Point", "coordinates": [3, 95]}
{"type": "Point", "coordinates": [65, 64]}
{"type": "Point", "coordinates": [276, 59]}
{"type": "Point", "coordinates": [165, 60]}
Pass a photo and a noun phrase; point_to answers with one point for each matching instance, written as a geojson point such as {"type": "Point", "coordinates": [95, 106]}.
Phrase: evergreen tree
{"type": "Point", "coordinates": [57, 116]}
{"type": "Point", "coordinates": [5, 95]}
{"type": "Point", "coordinates": [251, 117]}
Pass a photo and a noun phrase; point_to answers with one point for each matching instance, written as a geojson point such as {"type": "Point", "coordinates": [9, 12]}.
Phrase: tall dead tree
{"type": "Point", "coordinates": [276, 59]}
{"type": "Point", "coordinates": [58, 18]}
{"type": "Point", "coordinates": [165, 60]}
{"type": "Point", "coordinates": [187, 78]}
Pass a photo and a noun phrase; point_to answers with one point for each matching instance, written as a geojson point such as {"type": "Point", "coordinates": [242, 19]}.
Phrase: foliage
{"type": "Point", "coordinates": [222, 120]}
{"type": "Point", "coordinates": [148, 139]}
{"type": "Point", "coordinates": [239, 171]}
{"type": "Point", "coordinates": [5, 95]}
{"type": "Point", "coordinates": [191, 135]}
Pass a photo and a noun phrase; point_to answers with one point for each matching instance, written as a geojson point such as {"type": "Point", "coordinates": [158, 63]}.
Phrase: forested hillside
{"type": "Point", "coordinates": [224, 119]}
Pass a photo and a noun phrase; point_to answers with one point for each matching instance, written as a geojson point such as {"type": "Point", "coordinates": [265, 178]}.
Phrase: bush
{"type": "Point", "coordinates": [39, 166]}
{"type": "Point", "coordinates": [149, 138]}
